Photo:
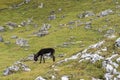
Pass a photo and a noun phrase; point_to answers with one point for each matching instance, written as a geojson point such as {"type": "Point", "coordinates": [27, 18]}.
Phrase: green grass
{"type": "Point", "coordinates": [57, 36]}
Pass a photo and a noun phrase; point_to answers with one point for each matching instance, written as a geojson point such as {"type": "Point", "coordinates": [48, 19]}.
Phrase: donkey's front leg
{"type": "Point", "coordinates": [41, 58]}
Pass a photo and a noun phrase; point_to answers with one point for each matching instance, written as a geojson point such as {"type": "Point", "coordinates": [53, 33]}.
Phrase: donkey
{"type": "Point", "coordinates": [43, 52]}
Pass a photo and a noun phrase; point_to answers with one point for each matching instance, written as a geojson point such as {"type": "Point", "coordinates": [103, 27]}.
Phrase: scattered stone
{"type": "Point", "coordinates": [52, 17]}
{"type": "Point", "coordinates": [42, 33]}
{"type": "Point", "coordinates": [27, 1]}
{"type": "Point", "coordinates": [88, 25]}
{"type": "Point", "coordinates": [14, 37]}
{"type": "Point", "coordinates": [86, 14]}
{"type": "Point", "coordinates": [61, 55]}
{"type": "Point", "coordinates": [12, 24]}
{"type": "Point", "coordinates": [60, 9]}
{"type": "Point", "coordinates": [64, 77]}
{"type": "Point", "coordinates": [40, 78]}
{"type": "Point", "coordinates": [118, 60]}
{"type": "Point", "coordinates": [1, 39]}
{"type": "Point", "coordinates": [2, 29]}
{"type": "Point", "coordinates": [22, 42]}
{"type": "Point", "coordinates": [117, 42]}
{"type": "Point", "coordinates": [97, 45]}
{"type": "Point", "coordinates": [7, 42]}
{"type": "Point", "coordinates": [45, 27]}
{"type": "Point", "coordinates": [41, 5]}
{"type": "Point", "coordinates": [110, 33]}
{"type": "Point", "coordinates": [92, 57]}
{"type": "Point", "coordinates": [17, 66]}
{"type": "Point", "coordinates": [105, 13]}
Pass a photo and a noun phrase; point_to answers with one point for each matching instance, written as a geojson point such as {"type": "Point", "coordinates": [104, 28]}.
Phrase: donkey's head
{"type": "Point", "coordinates": [35, 57]}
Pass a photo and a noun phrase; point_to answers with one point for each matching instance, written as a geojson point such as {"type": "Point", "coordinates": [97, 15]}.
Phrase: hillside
{"type": "Point", "coordinates": [68, 26]}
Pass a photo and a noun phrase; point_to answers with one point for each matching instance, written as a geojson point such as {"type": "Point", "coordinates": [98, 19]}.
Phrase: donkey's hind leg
{"type": "Point", "coordinates": [53, 58]}
{"type": "Point", "coordinates": [43, 59]}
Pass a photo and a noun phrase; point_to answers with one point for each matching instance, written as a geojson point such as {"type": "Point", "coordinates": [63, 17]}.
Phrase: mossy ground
{"type": "Point", "coordinates": [57, 36]}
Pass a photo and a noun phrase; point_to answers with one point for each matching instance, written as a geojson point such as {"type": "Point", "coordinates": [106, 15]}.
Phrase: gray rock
{"type": "Point", "coordinates": [86, 14]}
{"type": "Point", "coordinates": [117, 42]}
{"type": "Point", "coordinates": [106, 12]}
{"type": "Point", "coordinates": [27, 1]}
{"type": "Point", "coordinates": [41, 5]}
{"type": "Point", "coordinates": [42, 33]}
{"type": "Point", "coordinates": [64, 77]}
{"type": "Point", "coordinates": [88, 25]}
{"type": "Point", "coordinates": [110, 33]}
{"type": "Point", "coordinates": [108, 76]}
{"type": "Point", "coordinates": [2, 29]}
{"type": "Point", "coordinates": [17, 66]}
{"type": "Point", "coordinates": [12, 24]}
{"type": "Point", "coordinates": [14, 37]}
{"type": "Point", "coordinates": [24, 23]}
{"type": "Point", "coordinates": [22, 42]}
{"type": "Point", "coordinates": [92, 57]}
{"type": "Point", "coordinates": [1, 39]}
{"type": "Point", "coordinates": [118, 60]}
{"type": "Point", "coordinates": [52, 17]}
{"type": "Point", "coordinates": [40, 78]}
{"type": "Point", "coordinates": [7, 42]}
{"type": "Point", "coordinates": [45, 27]}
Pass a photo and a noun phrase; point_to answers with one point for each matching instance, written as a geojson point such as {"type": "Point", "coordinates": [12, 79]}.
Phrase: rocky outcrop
{"type": "Point", "coordinates": [17, 66]}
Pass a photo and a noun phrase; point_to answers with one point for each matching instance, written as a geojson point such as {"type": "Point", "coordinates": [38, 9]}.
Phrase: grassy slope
{"type": "Point", "coordinates": [10, 53]}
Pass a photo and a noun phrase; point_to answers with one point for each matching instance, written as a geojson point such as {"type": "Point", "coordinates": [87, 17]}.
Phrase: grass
{"type": "Point", "coordinates": [57, 36]}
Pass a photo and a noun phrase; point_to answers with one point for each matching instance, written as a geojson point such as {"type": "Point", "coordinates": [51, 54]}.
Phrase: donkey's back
{"type": "Point", "coordinates": [46, 50]}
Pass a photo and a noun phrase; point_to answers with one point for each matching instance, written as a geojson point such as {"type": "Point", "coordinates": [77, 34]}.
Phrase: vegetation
{"type": "Point", "coordinates": [56, 37]}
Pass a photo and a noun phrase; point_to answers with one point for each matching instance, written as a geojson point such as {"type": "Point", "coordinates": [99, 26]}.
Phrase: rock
{"type": "Point", "coordinates": [40, 78]}
{"type": "Point", "coordinates": [41, 5]}
{"type": "Point", "coordinates": [86, 14]}
{"type": "Point", "coordinates": [108, 76]}
{"type": "Point", "coordinates": [2, 29]}
{"type": "Point", "coordinates": [97, 45]}
{"type": "Point", "coordinates": [14, 37]}
{"type": "Point", "coordinates": [92, 57]}
{"type": "Point", "coordinates": [22, 42]}
{"type": "Point", "coordinates": [24, 23]}
{"type": "Point", "coordinates": [117, 42]}
{"type": "Point", "coordinates": [27, 1]}
{"type": "Point", "coordinates": [42, 33]}
{"type": "Point", "coordinates": [52, 17]}
{"type": "Point", "coordinates": [106, 12]}
{"type": "Point", "coordinates": [64, 77]}
{"type": "Point", "coordinates": [7, 42]}
{"type": "Point", "coordinates": [17, 66]}
{"type": "Point", "coordinates": [12, 24]}
{"type": "Point", "coordinates": [1, 39]}
{"type": "Point", "coordinates": [88, 25]}
{"type": "Point", "coordinates": [45, 27]}
{"type": "Point", "coordinates": [110, 34]}
{"type": "Point", "coordinates": [118, 60]}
